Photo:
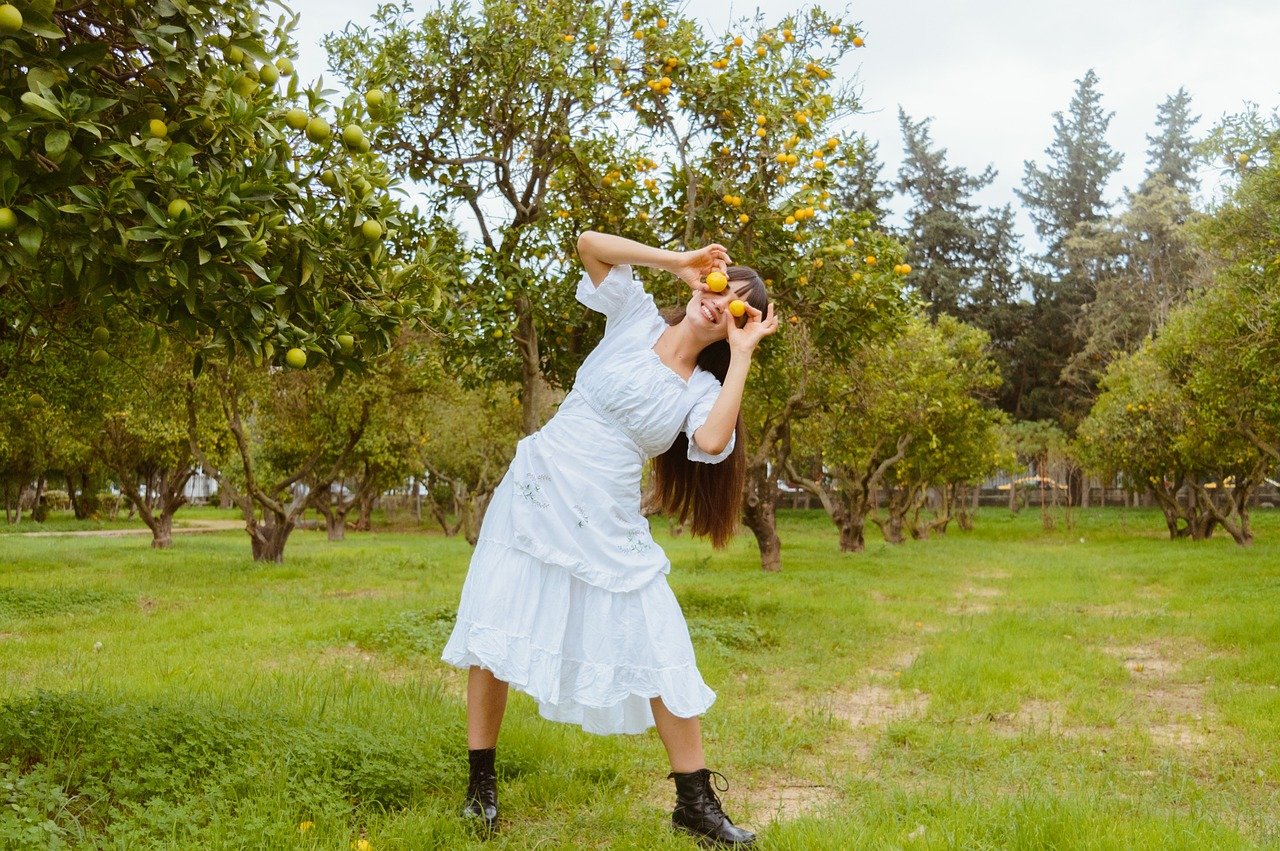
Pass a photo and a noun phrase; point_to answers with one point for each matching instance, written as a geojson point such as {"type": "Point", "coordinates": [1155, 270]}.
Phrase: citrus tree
{"type": "Point", "coordinates": [159, 159]}
{"type": "Point", "coordinates": [539, 121]}
{"type": "Point", "coordinates": [1135, 432]}
{"type": "Point", "coordinates": [892, 396]}
{"type": "Point", "coordinates": [959, 443]}
{"type": "Point", "coordinates": [141, 437]}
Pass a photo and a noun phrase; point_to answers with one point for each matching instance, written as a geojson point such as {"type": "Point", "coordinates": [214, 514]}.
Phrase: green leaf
{"type": "Point", "coordinates": [30, 238]}
{"type": "Point", "coordinates": [56, 141]}
{"type": "Point", "coordinates": [42, 106]}
{"type": "Point", "coordinates": [197, 365]}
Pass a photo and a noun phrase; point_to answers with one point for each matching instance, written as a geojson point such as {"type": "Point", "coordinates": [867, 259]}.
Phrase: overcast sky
{"type": "Point", "coordinates": [992, 73]}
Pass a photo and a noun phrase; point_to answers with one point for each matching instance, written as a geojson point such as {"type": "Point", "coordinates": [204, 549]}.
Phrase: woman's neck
{"type": "Point", "coordinates": [681, 345]}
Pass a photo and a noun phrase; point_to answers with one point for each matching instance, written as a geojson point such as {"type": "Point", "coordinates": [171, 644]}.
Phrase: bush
{"type": "Point", "coordinates": [76, 761]}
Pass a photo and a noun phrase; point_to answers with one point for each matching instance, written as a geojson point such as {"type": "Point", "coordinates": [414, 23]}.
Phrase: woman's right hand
{"type": "Point", "coordinates": [693, 266]}
{"type": "Point", "coordinates": [758, 326]}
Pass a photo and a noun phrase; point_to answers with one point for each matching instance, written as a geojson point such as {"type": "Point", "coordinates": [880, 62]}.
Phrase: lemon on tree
{"type": "Point", "coordinates": [353, 137]}
{"type": "Point", "coordinates": [296, 118]}
{"type": "Point", "coordinates": [346, 342]}
{"type": "Point", "coordinates": [371, 230]}
{"type": "Point", "coordinates": [374, 98]}
{"type": "Point", "coordinates": [157, 128]}
{"type": "Point", "coordinates": [101, 335]}
{"type": "Point", "coordinates": [295, 358]}
{"type": "Point", "coordinates": [179, 209]}
{"type": "Point", "coordinates": [10, 18]}
{"type": "Point", "coordinates": [318, 130]}
{"type": "Point", "coordinates": [8, 220]}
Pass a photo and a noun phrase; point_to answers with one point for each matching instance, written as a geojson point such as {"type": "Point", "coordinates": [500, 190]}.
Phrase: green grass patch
{"type": "Point", "coordinates": [1094, 687]}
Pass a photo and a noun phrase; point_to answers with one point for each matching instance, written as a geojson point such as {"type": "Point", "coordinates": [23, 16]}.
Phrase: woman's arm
{"type": "Point", "coordinates": [713, 435]}
{"type": "Point", "coordinates": [600, 252]}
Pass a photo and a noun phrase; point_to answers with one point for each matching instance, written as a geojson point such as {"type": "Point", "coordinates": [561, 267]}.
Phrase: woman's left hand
{"type": "Point", "coordinates": [745, 339]}
{"type": "Point", "coordinates": [693, 266]}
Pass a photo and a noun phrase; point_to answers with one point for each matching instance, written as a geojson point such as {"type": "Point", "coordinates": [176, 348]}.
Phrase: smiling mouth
{"type": "Point", "coordinates": [709, 313]}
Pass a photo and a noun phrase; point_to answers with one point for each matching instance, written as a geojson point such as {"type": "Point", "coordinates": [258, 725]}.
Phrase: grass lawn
{"type": "Point", "coordinates": [1097, 687]}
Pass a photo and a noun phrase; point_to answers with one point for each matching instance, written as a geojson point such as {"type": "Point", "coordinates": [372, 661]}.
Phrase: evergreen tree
{"type": "Point", "coordinates": [859, 187]}
{"type": "Point", "coordinates": [1171, 152]}
{"type": "Point", "coordinates": [1069, 189]}
{"type": "Point", "coordinates": [1064, 195]}
{"type": "Point", "coordinates": [964, 257]}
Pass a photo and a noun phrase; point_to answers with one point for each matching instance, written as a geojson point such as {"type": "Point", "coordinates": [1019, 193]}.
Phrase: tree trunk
{"type": "Point", "coordinates": [269, 536]}
{"type": "Point", "coordinates": [335, 523]}
{"type": "Point", "coordinates": [853, 529]}
{"type": "Point", "coordinates": [760, 515]}
{"type": "Point", "coordinates": [71, 496]}
{"type": "Point", "coordinates": [162, 531]}
{"type": "Point", "coordinates": [472, 511]}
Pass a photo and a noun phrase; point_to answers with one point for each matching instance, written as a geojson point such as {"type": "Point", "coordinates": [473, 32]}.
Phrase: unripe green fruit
{"type": "Point", "coordinates": [318, 130]}
{"type": "Point", "coordinates": [244, 86]}
{"type": "Point", "coordinates": [10, 18]}
{"type": "Point", "coordinates": [179, 209]}
{"type": "Point", "coordinates": [362, 187]}
{"type": "Point", "coordinates": [157, 128]}
{"type": "Point", "coordinates": [371, 229]}
{"type": "Point", "coordinates": [346, 342]}
{"type": "Point", "coordinates": [100, 357]}
{"type": "Point", "coordinates": [353, 136]}
{"type": "Point", "coordinates": [295, 358]}
{"type": "Point", "coordinates": [35, 400]}
{"type": "Point", "coordinates": [268, 75]}
{"type": "Point", "coordinates": [329, 178]}
{"type": "Point", "coordinates": [296, 118]}
{"type": "Point", "coordinates": [101, 335]}
{"type": "Point", "coordinates": [234, 55]}
{"type": "Point", "coordinates": [373, 98]}
{"type": "Point", "coordinates": [8, 220]}
{"type": "Point", "coordinates": [285, 66]}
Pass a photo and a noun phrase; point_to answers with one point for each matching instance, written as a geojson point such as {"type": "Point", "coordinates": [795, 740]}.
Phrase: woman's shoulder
{"type": "Point", "coordinates": [703, 380]}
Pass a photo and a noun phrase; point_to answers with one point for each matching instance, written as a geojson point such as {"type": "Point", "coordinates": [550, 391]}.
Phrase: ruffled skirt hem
{"type": "Point", "coordinates": [587, 656]}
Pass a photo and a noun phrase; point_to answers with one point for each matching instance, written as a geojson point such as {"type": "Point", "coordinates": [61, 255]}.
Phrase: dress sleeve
{"type": "Point", "coordinates": [620, 296]}
{"type": "Point", "coordinates": [710, 391]}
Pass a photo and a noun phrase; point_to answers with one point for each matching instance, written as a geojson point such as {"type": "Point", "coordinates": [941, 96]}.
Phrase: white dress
{"type": "Point", "coordinates": [566, 597]}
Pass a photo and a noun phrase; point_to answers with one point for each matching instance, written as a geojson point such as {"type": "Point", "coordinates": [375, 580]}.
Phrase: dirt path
{"type": "Point", "coordinates": [192, 528]}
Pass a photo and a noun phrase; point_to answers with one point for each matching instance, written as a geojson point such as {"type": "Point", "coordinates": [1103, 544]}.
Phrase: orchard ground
{"type": "Point", "coordinates": [1091, 687]}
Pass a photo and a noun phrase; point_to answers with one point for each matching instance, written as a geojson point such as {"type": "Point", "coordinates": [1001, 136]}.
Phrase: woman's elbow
{"type": "Point", "coordinates": [709, 446]}
{"type": "Point", "coordinates": [586, 240]}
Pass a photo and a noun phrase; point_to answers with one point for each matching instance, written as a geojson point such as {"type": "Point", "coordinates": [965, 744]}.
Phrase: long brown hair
{"type": "Point", "coordinates": [708, 496]}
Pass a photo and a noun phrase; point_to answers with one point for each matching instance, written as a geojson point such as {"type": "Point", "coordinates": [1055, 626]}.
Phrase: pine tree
{"type": "Point", "coordinates": [1065, 195]}
{"type": "Point", "coordinates": [860, 187]}
{"type": "Point", "coordinates": [1069, 189]}
{"type": "Point", "coordinates": [964, 256]}
{"type": "Point", "coordinates": [1171, 152]}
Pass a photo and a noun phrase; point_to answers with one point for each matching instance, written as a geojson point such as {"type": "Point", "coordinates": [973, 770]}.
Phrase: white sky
{"type": "Point", "coordinates": [992, 73]}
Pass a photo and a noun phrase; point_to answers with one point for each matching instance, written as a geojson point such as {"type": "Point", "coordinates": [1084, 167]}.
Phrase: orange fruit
{"type": "Point", "coordinates": [737, 307]}
{"type": "Point", "coordinates": [716, 282]}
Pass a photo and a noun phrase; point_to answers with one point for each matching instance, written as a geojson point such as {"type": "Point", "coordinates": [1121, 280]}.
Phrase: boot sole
{"type": "Point", "coordinates": [710, 841]}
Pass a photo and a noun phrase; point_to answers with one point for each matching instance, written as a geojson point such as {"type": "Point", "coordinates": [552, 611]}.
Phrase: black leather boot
{"type": "Point", "coordinates": [482, 789]}
{"type": "Point", "coordinates": [698, 810]}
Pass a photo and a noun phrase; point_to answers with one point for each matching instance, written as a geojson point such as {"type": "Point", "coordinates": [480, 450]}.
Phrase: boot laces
{"type": "Point", "coordinates": [712, 786]}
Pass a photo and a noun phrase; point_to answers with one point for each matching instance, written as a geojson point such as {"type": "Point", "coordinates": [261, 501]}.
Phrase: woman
{"type": "Point", "coordinates": [566, 596]}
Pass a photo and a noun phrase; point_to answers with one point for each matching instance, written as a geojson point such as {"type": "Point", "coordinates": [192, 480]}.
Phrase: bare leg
{"type": "Point", "coordinates": [682, 737]}
{"type": "Point", "coordinates": [486, 701]}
